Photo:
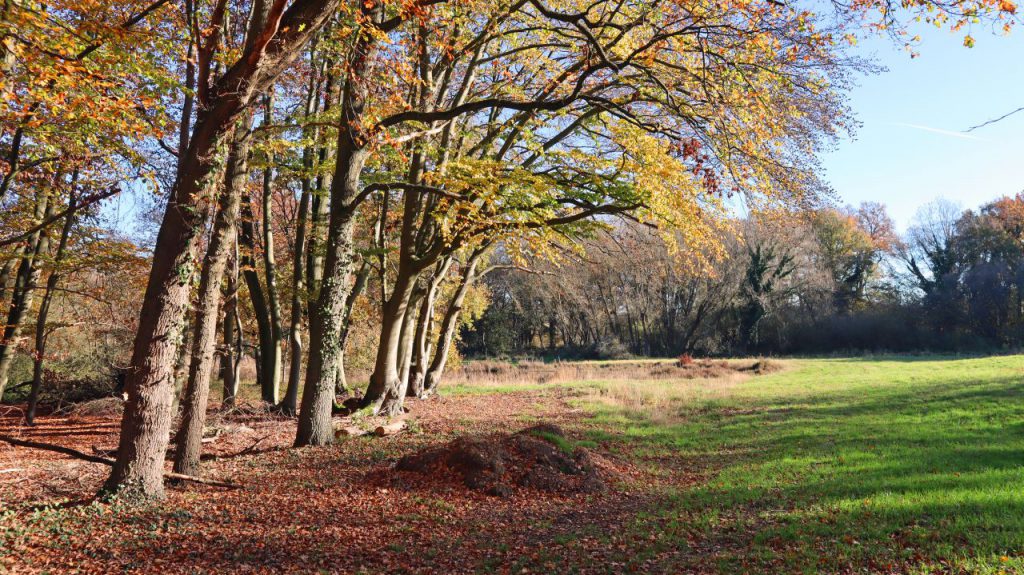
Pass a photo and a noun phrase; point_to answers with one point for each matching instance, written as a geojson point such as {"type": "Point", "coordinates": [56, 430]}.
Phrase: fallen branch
{"type": "Point", "coordinates": [390, 428]}
{"type": "Point", "coordinates": [105, 461]}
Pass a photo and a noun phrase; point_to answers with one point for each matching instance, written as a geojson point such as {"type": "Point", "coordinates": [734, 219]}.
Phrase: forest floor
{"type": "Point", "coordinates": [866, 465]}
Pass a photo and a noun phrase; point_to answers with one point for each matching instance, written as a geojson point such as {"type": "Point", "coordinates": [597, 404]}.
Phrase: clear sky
{"type": "Point", "coordinates": [911, 147]}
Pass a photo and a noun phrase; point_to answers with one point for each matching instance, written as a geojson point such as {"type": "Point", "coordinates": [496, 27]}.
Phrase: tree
{"type": "Point", "coordinates": [277, 36]}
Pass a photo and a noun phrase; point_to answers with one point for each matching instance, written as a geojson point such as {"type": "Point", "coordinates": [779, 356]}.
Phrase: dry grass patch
{"type": "Point", "coordinates": [498, 373]}
{"type": "Point", "coordinates": [663, 401]}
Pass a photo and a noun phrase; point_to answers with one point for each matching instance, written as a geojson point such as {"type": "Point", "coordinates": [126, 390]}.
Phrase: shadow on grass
{"type": "Point", "coordinates": [867, 475]}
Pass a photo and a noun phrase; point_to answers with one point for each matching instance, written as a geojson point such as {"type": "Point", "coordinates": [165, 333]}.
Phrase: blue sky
{"type": "Point", "coordinates": [910, 148]}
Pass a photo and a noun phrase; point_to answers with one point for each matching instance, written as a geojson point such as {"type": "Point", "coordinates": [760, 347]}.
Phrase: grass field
{"type": "Point", "coordinates": [896, 464]}
{"type": "Point", "coordinates": [865, 465]}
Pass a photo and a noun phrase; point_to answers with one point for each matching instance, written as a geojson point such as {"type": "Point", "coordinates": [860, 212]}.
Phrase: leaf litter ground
{"type": "Point", "coordinates": [342, 509]}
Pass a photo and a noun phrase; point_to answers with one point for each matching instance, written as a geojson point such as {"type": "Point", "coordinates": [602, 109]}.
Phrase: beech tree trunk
{"type": "Point", "coordinates": [425, 319]}
{"type": "Point", "coordinates": [204, 332]}
{"type": "Point", "coordinates": [276, 355]}
{"type": "Point", "coordinates": [385, 393]}
{"type": "Point", "coordinates": [418, 368]}
{"type": "Point", "coordinates": [25, 283]}
{"type": "Point", "coordinates": [289, 405]}
{"type": "Point", "coordinates": [327, 315]}
{"type": "Point", "coordinates": [232, 353]}
{"type": "Point", "coordinates": [7, 274]}
{"type": "Point", "coordinates": [341, 384]}
{"type": "Point", "coordinates": [39, 355]}
{"type": "Point", "coordinates": [268, 361]}
{"type": "Point", "coordinates": [408, 339]}
{"type": "Point", "coordinates": [450, 324]}
{"type": "Point", "coordinates": [145, 426]}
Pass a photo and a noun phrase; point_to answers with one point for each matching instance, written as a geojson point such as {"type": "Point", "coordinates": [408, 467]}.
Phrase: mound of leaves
{"type": "Point", "coordinates": [539, 458]}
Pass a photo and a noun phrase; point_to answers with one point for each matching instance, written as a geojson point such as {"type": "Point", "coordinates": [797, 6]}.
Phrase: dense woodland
{"type": "Point", "coordinates": [827, 281]}
{"type": "Point", "coordinates": [343, 187]}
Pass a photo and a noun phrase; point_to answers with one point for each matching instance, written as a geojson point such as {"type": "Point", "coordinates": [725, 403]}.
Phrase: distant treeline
{"type": "Point", "coordinates": [834, 280]}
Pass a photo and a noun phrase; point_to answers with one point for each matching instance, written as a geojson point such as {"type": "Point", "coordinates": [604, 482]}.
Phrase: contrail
{"type": "Point", "coordinates": [938, 131]}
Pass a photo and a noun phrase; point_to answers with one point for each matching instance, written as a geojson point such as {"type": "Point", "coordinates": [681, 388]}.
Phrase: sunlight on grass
{"type": "Point", "coordinates": [888, 464]}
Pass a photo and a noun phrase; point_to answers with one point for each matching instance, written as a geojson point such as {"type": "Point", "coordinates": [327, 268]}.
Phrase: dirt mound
{"type": "Point", "coordinates": [539, 457]}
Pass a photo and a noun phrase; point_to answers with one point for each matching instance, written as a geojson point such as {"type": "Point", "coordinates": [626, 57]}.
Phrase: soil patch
{"type": "Point", "coordinates": [539, 458]}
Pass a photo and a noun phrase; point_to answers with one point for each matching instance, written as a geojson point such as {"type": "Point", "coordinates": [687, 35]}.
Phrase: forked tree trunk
{"type": "Point", "coordinates": [145, 426]}
{"type": "Point", "coordinates": [425, 319]}
{"type": "Point", "coordinates": [450, 324]}
{"type": "Point", "coordinates": [204, 332]}
{"type": "Point", "coordinates": [418, 368]}
{"type": "Point", "coordinates": [385, 394]}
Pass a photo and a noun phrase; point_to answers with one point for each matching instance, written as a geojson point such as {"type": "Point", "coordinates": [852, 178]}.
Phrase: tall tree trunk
{"type": "Point", "coordinates": [289, 405]}
{"type": "Point", "coordinates": [276, 355]}
{"type": "Point", "coordinates": [145, 426]}
{"type": "Point", "coordinates": [327, 315]}
{"type": "Point", "coordinates": [320, 204]}
{"type": "Point", "coordinates": [425, 319]}
{"type": "Point", "coordinates": [204, 332]}
{"type": "Point", "coordinates": [450, 324]}
{"type": "Point", "coordinates": [24, 287]}
{"type": "Point", "coordinates": [231, 358]}
{"type": "Point", "coordinates": [39, 355]}
{"type": "Point", "coordinates": [261, 309]}
{"type": "Point", "coordinates": [385, 393]}
{"type": "Point", "coordinates": [417, 362]}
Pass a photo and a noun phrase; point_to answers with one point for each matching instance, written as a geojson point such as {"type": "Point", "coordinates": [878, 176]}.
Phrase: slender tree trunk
{"type": "Point", "coordinates": [289, 405]}
{"type": "Point", "coordinates": [421, 345]}
{"type": "Point", "coordinates": [450, 324]}
{"type": "Point", "coordinates": [276, 353]}
{"type": "Point", "coordinates": [24, 288]}
{"type": "Point", "coordinates": [362, 276]}
{"type": "Point", "coordinates": [39, 355]}
{"type": "Point", "coordinates": [231, 358]}
{"type": "Point", "coordinates": [320, 205]}
{"type": "Point", "coordinates": [261, 309]}
{"type": "Point", "coordinates": [204, 332]}
{"type": "Point", "coordinates": [418, 368]}
{"type": "Point", "coordinates": [385, 393]}
{"type": "Point", "coordinates": [290, 402]}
